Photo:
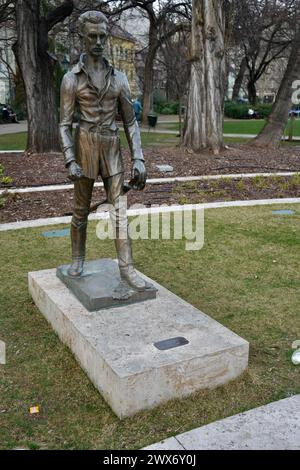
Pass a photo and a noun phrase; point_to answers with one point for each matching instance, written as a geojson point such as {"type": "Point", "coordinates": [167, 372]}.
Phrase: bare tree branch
{"type": "Point", "coordinates": [59, 14]}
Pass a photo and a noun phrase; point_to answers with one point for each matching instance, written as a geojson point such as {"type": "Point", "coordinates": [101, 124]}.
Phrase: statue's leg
{"type": "Point", "coordinates": [114, 191]}
{"type": "Point", "coordinates": [82, 199]}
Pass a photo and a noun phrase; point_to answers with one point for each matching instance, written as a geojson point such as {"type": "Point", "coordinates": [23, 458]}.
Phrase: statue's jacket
{"type": "Point", "coordinates": [96, 144]}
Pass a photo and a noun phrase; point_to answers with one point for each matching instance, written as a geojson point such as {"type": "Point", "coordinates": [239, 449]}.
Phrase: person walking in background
{"type": "Point", "coordinates": [137, 109]}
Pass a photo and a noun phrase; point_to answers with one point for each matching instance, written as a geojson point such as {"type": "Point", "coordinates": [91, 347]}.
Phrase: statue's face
{"type": "Point", "coordinates": [95, 37]}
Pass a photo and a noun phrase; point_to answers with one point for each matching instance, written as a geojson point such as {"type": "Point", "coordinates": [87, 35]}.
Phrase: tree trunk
{"type": "Point", "coordinates": [148, 85]}
{"type": "Point", "coordinates": [239, 80]}
{"type": "Point", "coordinates": [149, 73]}
{"type": "Point", "coordinates": [180, 114]}
{"type": "Point", "coordinates": [204, 119]}
{"type": "Point", "coordinates": [37, 69]}
{"type": "Point", "coordinates": [292, 127]}
{"type": "Point", "coordinates": [252, 95]}
{"type": "Point", "coordinates": [271, 134]}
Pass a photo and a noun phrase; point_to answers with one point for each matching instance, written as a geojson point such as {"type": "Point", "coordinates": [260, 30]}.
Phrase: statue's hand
{"type": "Point", "coordinates": [139, 174]}
{"type": "Point", "coordinates": [75, 171]}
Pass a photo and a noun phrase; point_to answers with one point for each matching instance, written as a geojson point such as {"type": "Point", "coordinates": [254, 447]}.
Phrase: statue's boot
{"type": "Point", "coordinates": [127, 271]}
{"type": "Point", "coordinates": [78, 241]}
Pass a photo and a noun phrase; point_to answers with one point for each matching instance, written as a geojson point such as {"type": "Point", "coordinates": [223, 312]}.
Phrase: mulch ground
{"type": "Point", "coordinates": [37, 170]}
{"type": "Point", "coordinates": [37, 205]}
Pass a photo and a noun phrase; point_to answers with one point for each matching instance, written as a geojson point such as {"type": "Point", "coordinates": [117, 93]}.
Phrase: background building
{"type": "Point", "coordinates": [7, 67]}
{"type": "Point", "coordinates": [121, 53]}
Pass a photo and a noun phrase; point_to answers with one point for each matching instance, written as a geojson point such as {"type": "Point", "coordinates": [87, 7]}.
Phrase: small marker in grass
{"type": "Point", "coordinates": [33, 410]}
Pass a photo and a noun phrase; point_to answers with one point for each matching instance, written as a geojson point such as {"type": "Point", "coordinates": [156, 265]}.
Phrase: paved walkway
{"type": "Point", "coordinates": [13, 128]}
{"type": "Point", "coordinates": [271, 427]}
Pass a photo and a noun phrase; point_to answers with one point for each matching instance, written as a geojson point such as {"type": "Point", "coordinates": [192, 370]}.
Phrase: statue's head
{"type": "Point", "coordinates": [93, 28]}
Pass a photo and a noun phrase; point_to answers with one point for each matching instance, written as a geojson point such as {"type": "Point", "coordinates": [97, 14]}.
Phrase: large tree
{"type": "Point", "coordinates": [238, 83]}
{"type": "Point", "coordinates": [271, 134]}
{"type": "Point", "coordinates": [204, 119]}
{"type": "Point", "coordinates": [174, 57]}
{"type": "Point", "coordinates": [33, 25]}
{"type": "Point", "coordinates": [262, 31]}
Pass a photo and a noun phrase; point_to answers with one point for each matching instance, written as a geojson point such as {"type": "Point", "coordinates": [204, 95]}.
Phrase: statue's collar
{"type": "Point", "coordinates": [81, 65]}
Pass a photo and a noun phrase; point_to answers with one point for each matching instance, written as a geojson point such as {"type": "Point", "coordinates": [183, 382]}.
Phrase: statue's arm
{"type": "Point", "coordinates": [131, 126]}
{"type": "Point", "coordinates": [67, 109]}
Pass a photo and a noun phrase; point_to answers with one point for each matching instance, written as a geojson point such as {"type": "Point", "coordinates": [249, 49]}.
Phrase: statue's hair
{"type": "Point", "coordinates": [94, 17]}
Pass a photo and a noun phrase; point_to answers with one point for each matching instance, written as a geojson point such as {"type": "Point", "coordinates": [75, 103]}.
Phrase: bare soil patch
{"type": "Point", "coordinates": [37, 205]}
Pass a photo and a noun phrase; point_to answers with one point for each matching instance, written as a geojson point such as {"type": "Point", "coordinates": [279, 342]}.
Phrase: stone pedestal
{"type": "Point", "coordinates": [143, 354]}
{"type": "Point", "coordinates": [100, 286]}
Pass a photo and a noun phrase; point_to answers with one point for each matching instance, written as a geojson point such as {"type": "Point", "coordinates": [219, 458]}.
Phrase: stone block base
{"type": "Point", "coordinates": [143, 354]}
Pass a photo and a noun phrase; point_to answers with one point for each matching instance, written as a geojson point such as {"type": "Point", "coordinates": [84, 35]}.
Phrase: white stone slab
{"type": "Point", "coordinates": [271, 427]}
{"type": "Point", "coordinates": [116, 346]}
{"type": "Point", "coordinates": [165, 168]}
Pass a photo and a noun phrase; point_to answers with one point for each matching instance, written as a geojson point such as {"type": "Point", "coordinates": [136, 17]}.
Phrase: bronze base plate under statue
{"type": "Point", "coordinates": [100, 286]}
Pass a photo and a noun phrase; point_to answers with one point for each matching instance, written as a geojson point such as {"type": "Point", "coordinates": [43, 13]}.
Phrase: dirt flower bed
{"type": "Point", "coordinates": [36, 170]}
{"type": "Point", "coordinates": [36, 205]}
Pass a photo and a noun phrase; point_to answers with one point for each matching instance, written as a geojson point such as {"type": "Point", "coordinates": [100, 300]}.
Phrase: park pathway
{"type": "Point", "coordinates": [271, 427]}
{"type": "Point", "coordinates": [13, 128]}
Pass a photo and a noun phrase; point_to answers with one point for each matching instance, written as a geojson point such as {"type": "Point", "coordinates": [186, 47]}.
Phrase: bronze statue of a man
{"type": "Point", "coordinates": [99, 90]}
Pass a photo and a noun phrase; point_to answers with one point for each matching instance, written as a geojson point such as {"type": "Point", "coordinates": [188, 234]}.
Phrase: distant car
{"type": "Point", "coordinates": [243, 101]}
{"type": "Point", "coordinates": [252, 114]}
{"type": "Point", "coordinates": [296, 112]}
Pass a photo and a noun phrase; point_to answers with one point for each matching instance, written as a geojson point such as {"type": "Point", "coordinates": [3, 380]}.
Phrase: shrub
{"type": "Point", "coordinates": [4, 179]}
{"type": "Point", "coordinates": [263, 110]}
{"type": "Point", "coordinates": [166, 110]}
{"type": "Point", "coordinates": [235, 110]}
{"type": "Point", "coordinates": [161, 106]}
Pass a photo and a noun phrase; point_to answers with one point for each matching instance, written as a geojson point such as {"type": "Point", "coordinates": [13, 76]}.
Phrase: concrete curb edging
{"type": "Point", "coordinates": [175, 179]}
{"type": "Point", "coordinates": [143, 211]}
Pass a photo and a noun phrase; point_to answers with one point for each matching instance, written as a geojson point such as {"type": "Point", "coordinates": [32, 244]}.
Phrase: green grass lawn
{"type": "Point", "coordinates": [246, 277]}
{"type": "Point", "coordinates": [13, 141]}
{"type": "Point", "coordinates": [18, 141]}
{"type": "Point", "coordinates": [243, 127]}
{"type": "Point", "coordinates": [236, 126]}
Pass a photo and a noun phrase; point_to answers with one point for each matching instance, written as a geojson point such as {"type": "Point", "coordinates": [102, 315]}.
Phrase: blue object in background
{"type": "Point", "coordinates": [57, 233]}
{"type": "Point", "coordinates": [284, 212]}
{"type": "Point", "coordinates": [137, 109]}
